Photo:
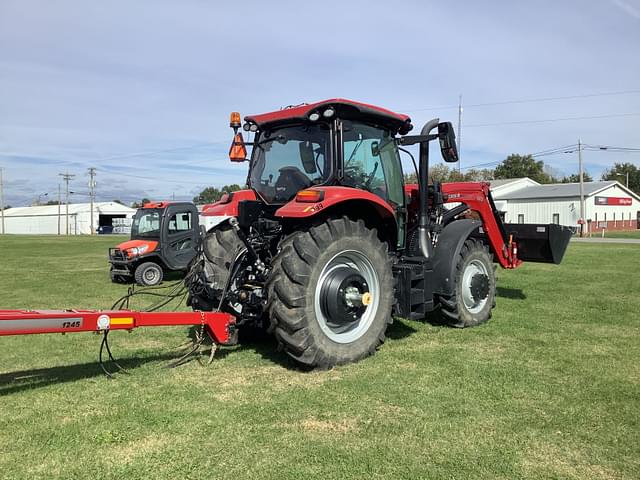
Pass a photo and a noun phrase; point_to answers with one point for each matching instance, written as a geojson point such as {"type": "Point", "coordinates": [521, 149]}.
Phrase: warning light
{"type": "Point", "coordinates": [310, 196]}
{"type": "Point", "coordinates": [238, 151]}
{"type": "Point", "coordinates": [234, 120]}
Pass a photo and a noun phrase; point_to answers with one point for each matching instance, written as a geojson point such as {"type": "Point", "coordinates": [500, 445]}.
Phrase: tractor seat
{"type": "Point", "coordinates": [290, 181]}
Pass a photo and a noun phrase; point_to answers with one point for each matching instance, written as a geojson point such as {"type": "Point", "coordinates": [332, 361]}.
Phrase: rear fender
{"type": "Point", "coordinates": [446, 253]}
{"type": "Point", "coordinates": [333, 196]}
{"type": "Point", "coordinates": [228, 205]}
{"type": "Point", "coordinates": [344, 201]}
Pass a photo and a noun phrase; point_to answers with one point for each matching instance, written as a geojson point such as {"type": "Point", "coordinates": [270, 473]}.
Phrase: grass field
{"type": "Point", "coordinates": [550, 388]}
{"type": "Point", "coordinates": [624, 234]}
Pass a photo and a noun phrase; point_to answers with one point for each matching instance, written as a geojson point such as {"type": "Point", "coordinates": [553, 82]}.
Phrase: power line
{"type": "Point", "coordinates": [156, 152]}
{"type": "Point", "coordinates": [527, 100]}
{"type": "Point", "coordinates": [546, 120]}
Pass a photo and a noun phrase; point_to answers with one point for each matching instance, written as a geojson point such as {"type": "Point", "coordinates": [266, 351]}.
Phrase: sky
{"type": "Point", "coordinates": [142, 90]}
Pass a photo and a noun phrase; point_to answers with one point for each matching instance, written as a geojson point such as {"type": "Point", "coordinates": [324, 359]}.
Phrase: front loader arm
{"type": "Point", "coordinates": [477, 197]}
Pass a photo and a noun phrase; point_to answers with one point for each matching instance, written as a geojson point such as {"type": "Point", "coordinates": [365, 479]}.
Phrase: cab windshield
{"type": "Point", "coordinates": [290, 159]}
{"type": "Point", "coordinates": [146, 223]}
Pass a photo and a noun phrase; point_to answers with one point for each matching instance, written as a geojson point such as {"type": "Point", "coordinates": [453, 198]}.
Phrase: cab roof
{"type": "Point", "coordinates": [347, 109]}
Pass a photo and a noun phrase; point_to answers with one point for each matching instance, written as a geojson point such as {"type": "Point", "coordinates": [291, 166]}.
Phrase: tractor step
{"type": "Point", "coordinates": [414, 291]}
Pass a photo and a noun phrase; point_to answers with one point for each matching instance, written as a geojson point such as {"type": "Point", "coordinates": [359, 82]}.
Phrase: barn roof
{"type": "Point", "coordinates": [559, 190]}
{"type": "Point", "coordinates": [106, 208]}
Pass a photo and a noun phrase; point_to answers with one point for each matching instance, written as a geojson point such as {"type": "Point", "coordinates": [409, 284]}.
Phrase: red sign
{"type": "Point", "coordinates": [613, 201]}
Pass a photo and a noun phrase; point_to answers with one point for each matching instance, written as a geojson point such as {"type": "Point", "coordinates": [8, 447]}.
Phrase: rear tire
{"type": "Point", "coordinates": [221, 246]}
{"type": "Point", "coordinates": [330, 293]}
{"type": "Point", "coordinates": [475, 287]}
{"type": "Point", "coordinates": [148, 274]}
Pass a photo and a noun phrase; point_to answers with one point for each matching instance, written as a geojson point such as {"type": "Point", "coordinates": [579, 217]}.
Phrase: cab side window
{"type": "Point", "coordinates": [371, 162]}
{"type": "Point", "coordinates": [180, 222]}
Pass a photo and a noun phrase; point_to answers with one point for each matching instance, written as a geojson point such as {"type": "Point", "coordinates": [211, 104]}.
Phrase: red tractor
{"type": "Point", "coordinates": [327, 244]}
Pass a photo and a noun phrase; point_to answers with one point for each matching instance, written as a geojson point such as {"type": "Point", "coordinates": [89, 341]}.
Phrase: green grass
{"type": "Point", "coordinates": [623, 234]}
{"type": "Point", "coordinates": [550, 388]}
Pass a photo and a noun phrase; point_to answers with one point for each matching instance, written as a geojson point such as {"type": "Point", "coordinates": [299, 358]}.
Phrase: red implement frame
{"type": "Point", "coordinates": [25, 322]}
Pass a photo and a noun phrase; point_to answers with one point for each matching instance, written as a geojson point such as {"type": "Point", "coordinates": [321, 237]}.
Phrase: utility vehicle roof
{"type": "Point", "coordinates": [347, 109]}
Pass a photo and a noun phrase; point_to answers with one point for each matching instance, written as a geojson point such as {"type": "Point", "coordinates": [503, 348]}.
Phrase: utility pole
{"type": "Point", "coordinates": [459, 132]}
{"type": "Point", "coordinates": [622, 175]}
{"type": "Point", "coordinates": [2, 200]}
{"type": "Point", "coordinates": [59, 202]}
{"type": "Point", "coordinates": [66, 177]}
{"type": "Point", "coordinates": [92, 186]}
{"type": "Point", "coordinates": [581, 221]}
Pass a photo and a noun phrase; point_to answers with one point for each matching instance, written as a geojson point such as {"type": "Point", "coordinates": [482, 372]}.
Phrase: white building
{"type": "Point", "coordinates": [51, 220]}
{"type": "Point", "coordinates": [608, 204]}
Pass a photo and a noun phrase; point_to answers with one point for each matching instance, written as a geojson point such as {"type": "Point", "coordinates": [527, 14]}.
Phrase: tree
{"type": "Point", "coordinates": [619, 173]}
{"type": "Point", "coordinates": [518, 166]}
{"type": "Point", "coordinates": [118, 202]}
{"type": "Point", "coordinates": [483, 175]}
{"type": "Point", "coordinates": [443, 173]}
{"type": "Point", "coordinates": [6, 207]}
{"type": "Point", "coordinates": [575, 178]}
{"type": "Point", "coordinates": [213, 194]}
{"type": "Point", "coordinates": [52, 202]}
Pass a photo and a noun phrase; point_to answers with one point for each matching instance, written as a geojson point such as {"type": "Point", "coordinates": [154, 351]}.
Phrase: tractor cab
{"type": "Point", "coordinates": [164, 237]}
{"type": "Point", "coordinates": [335, 143]}
{"type": "Point", "coordinates": [342, 149]}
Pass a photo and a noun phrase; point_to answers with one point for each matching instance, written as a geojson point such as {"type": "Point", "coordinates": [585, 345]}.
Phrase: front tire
{"type": "Point", "coordinates": [475, 287]}
{"type": "Point", "coordinates": [330, 293]}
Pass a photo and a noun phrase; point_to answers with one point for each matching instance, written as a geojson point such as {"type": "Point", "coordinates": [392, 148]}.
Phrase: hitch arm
{"type": "Point", "coordinates": [219, 325]}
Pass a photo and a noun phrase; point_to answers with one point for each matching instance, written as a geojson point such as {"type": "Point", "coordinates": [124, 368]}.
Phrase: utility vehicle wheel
{"type": "Point", "coordinates": [475, 287]}
{"type": "Point", "coordinates": [330, 293]}
{"type": "Point", "coordinates": [148, 274]}
{"type": "Point", "coordinates": [221, 246]}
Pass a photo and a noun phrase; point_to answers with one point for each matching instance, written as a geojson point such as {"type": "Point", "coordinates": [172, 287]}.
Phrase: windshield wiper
{"type": "Point", "coordinates": [354, 151]}
{"type": "Point", "coordinates": [279, 138]}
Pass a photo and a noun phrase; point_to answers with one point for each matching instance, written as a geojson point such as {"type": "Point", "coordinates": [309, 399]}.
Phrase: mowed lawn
{"type": "Point", "coordinates": [549, 388]}
{"type": "Point", "coordinates": [622, 234]}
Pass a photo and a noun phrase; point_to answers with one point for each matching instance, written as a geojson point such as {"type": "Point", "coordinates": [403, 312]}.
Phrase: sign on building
{"type": "Point", "coordinates": [613, 201]}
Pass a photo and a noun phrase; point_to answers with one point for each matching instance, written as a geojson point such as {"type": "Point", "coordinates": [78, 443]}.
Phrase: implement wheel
{"type": "Point", "coordinates": [475, 287]}
{"type": "Point", "coordinates": [330, 293]}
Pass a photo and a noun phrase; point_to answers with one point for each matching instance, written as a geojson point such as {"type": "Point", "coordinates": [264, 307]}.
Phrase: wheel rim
{"type": "Point", "coordinates": [347, 296]}
{"type": "Point", "coordinates": [475, 286]}
{"type": "Point", "coordinates": [151, 276]}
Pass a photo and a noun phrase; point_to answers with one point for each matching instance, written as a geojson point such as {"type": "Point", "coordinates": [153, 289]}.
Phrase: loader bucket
{"type": "Point", "coordinates": [539, 242]}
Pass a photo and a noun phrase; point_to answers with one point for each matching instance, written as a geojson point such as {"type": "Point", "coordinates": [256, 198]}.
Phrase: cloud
{"type": "Point", "coordinates": [125, 86]}
{"type": "Point", "coordinates": [627, 8]}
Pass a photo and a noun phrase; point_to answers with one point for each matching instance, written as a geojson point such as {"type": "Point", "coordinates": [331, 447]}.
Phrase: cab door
{"type": "Point", "coordinates": [370, 161]}
{"type": "Point", "coordinates": [180, 235]}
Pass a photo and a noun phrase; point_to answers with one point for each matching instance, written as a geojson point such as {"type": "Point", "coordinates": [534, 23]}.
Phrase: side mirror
{"type": "Point", "coordinates": [308, 157]}
{"type": "Point", "coordinates": [238, 151]}
{"type": "Point", "coordinates": [375, 149]}
{"type": "Point", "coordinates": [447, 139]}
